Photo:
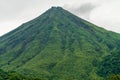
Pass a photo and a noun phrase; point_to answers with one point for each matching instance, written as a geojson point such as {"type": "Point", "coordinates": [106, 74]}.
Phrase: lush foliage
{"type": "Point", "coordinates": [15, 76]}
{"type": "Point", "coordinates": [114, 77]}
{"type": "Point", "coordinates": [110, 65]}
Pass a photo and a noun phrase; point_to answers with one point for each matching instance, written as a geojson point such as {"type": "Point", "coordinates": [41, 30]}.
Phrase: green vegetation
{"type": "Point", "coordinates": [15, 76]}
{"type": "Point", "coordinates": [114, 77]}
{"type": "Point", "coordinates": [110, 65]}
{"type": "Point", "coordinates": [60, 46]}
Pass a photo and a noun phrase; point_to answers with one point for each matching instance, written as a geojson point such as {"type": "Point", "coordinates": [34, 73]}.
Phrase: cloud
{"type": "Point", "coordinates": [104, 13]}
{"type": "Point", "coordinates": [82, 10]}
{"type": "Point", "coordinates": [107, 15]}
{"type": "Point", "coordinates": [85, 8]}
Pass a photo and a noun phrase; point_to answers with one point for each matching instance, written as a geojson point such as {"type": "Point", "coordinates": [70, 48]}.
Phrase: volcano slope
{"type": "Point", "coordinates": [58, 45]}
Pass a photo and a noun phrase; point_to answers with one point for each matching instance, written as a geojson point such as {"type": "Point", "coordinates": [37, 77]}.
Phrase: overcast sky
{"type": "Point", "coordinates": [104, 13]}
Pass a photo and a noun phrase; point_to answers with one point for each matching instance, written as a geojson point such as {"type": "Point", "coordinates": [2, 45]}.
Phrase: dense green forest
{"type": "Point", "coordinates": [15, 76]}
{"type": "Point", "coordinates": [110, 65]}
{"type": "Point", "coordinates": [58, 45]}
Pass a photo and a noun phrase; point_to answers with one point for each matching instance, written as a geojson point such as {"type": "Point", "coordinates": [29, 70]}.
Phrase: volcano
{"type": "Point", "coordinates": [57, 45]}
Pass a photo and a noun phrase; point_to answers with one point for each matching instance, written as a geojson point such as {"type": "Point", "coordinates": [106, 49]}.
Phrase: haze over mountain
{"type": "Point", "coordinates": [59, 46]}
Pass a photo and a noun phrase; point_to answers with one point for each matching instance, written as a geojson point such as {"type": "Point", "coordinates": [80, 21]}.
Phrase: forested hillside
{"type": "Point", "coordinates": [61, 46]}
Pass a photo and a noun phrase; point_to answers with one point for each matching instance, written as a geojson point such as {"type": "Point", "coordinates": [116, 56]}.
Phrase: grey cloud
{"type": "Point", "coordinates": [83, 10]}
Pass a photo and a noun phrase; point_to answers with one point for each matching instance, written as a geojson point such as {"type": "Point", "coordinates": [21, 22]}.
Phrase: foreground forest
{"type": "Point", "coordinates": [15, 76]}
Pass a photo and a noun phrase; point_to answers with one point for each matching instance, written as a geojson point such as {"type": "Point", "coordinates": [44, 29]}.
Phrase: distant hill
{"type": "Point", "coordinates": [60, 46]}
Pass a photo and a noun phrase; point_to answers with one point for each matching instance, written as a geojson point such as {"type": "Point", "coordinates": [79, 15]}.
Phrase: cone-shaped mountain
{"type": "Point", "coordinates": [57, 46]}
